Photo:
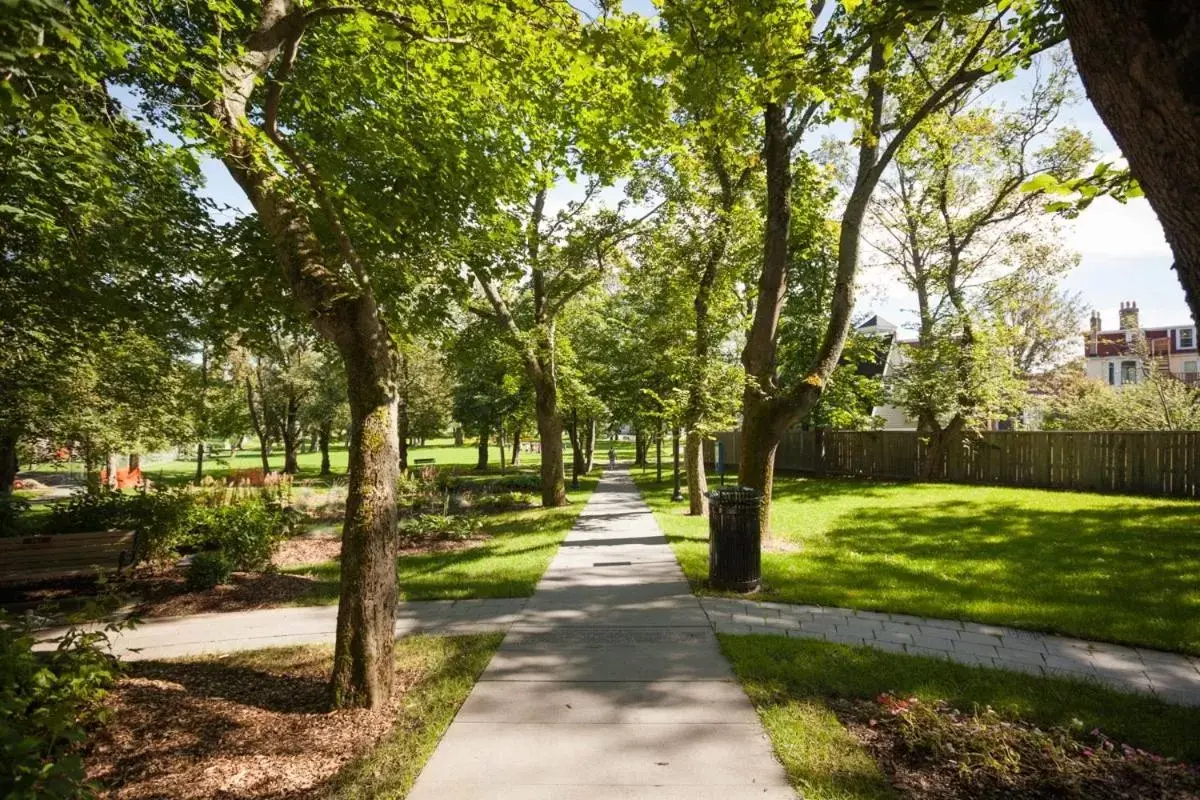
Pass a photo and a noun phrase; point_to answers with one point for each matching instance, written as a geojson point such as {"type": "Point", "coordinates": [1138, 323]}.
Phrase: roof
{"type": "Point", "coordinates": [875, 324]}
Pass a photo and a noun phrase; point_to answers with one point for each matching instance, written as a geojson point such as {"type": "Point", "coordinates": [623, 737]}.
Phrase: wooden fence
{"type": "Point", "coordinates": [1137, 462]}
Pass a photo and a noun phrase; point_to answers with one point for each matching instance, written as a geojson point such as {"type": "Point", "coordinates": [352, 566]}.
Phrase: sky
{"type": "Point", "coordinates": [1123, 254]}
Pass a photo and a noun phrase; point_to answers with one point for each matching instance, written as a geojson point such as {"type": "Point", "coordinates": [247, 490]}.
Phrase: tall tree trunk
{"type": "Point", "coordinates": [323, 442]}
{"type": "Point", "coordinates": [550, 432]}
{"type": "Point", "coordinates": [363, 667]}
{"type": "Point", "coordinates": [259, 429]}
{"type": "Point", "coordinates": [589, 445]}
{"type": "Point", "coordinates": [458, 436]}
{"type": "Point", "coordinates": [481, 462]}
{"type": "Point", "coordinates": [402, 430]}
{"type": "Point", "coordinates": [639, 448]}
{"type": "Point", "coordinates": [1139, 61]}
{"type": "Point", "coordinates": [291, 435]}
{"type": "Point", "coordinates": [343, 309]}
{"type": "Point", "coordinates": [768, 410]}
{"type": "Point", "coordinates": [577, 461]}
{"type": "Point", "coordinates": [237, 445]}
{"type": "Point", "coordinates": [135, 462]}
{"type": "Point", "coordinates": [500, 445]}
{"type": "Point", "coordinates": [516, 445]}
{"type": "Point", "coordinates": [403, 426]}
{"type": "Point", "coordinates": [202, 415]}
{"type": "Point", "coordinates": [9, 466]}
{"type": "Point", "coordinates": [697, 480]}
{"type": "Point", "coordinates": [110, 465]}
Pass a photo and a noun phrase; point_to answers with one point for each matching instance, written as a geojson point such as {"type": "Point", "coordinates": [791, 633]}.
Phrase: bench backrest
{"type": "Point", "coordinates": [30, 558]}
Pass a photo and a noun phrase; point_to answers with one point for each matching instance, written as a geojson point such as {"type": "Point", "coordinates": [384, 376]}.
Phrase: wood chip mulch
{"type": "Point", "coordinates": [218, 728]}
{"type": "Point", "coordinates": [168, 596]}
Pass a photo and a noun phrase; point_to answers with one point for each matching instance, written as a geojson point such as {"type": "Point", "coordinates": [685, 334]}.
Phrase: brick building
{"type": "Point", "coordinates": [1122, 356]}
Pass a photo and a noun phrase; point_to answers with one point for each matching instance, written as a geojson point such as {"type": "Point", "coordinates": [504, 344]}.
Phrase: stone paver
{"type": "Point", "coordinates": [609, 685]}
{"type": "Point", "coordinates": [1173, 677]}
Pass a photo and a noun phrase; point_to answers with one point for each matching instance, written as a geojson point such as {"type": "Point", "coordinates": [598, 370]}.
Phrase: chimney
{"type": "Point", "coordinates": [1129, 317]}
{"type": "Point", "coordinates": [1096, 326]}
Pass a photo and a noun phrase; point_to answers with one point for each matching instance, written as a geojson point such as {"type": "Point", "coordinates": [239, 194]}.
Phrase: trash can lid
{"type": "Point", "coordinates": [736, 495]}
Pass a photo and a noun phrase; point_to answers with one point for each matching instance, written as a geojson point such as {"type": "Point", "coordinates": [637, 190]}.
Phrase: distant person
{"type": "Point", "coordinates": [612, 458]}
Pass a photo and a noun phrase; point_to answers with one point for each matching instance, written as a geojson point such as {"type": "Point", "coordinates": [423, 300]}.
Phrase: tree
{"type": "Point", "coordinates": [1146, 96]}
{"type": "Point", "coordinates": [799, 72]}
{"type": "Point", "coordinates": [311, 109]}
{"type": "Point", "coordinates": [99, 229]}
{"type": "Point", "coordinates": [959, 222]}
{"type": "Point", "coordinates": [1156, 402]}
{"type": "Point", "coordinates": [425, 394]}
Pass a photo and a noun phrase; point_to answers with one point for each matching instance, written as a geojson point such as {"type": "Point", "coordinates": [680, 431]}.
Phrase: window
{"type": "Point", "coordinates": [1187, 338]}
{"type": "Point", "coordinates": [1128, 372]}
{"type": "Point", "coordinates": [1112, 373]}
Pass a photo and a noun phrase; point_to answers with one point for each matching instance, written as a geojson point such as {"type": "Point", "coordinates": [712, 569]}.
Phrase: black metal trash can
{"type": "Point", "coordinates": [734, 549]}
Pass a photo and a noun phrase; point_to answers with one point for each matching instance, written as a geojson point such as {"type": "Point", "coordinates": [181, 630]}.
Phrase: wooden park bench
{"type": "Point", "coordinates": [24, 559]}
{"type": "Point", "coordinates": [424, 461]}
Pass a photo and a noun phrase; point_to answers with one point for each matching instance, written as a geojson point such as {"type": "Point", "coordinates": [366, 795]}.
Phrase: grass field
{"type": "Point", "coordinates": [508, 564]}
{"type": "Point", "coordinates": [442, 451]}
{"type": "Point", "coordinates": [791, 682]}
{"type": "Point", "coordinates": [1116, 568]}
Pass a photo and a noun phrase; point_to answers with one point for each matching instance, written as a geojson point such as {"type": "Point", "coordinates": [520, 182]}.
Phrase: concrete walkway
{"type": "Point", "coordinates": [225, 632]}
{"type": "Point", "coordinates": [609, 685]}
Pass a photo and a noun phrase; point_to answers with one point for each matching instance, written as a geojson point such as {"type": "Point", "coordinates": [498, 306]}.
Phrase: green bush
{"type": "Point", "coordinates": [12, 508]}
{"type": "Point", "coordinates": [438, 527]}
{"type": "Point", "coordinates": [504, 501]}
{"type": "Point", "coordinates": [49, 702]}
{"type": "Point", "coordinates": [209, 569]}
{"type": "Point", "coordinates": [248, 533]}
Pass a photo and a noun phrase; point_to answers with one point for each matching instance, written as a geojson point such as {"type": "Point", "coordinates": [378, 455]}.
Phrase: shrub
{"type": "Point", "coordinates": [49, 702]}
{"type": "Point", "coordinates": [505, 501]}
{"type": "Point", "coordinates": [11, 510]}
{"type": "Point", "coordinates": [247, 533]}
{"type": "Point", "coordinates": [438, 527]}
{"type": "Point", "coordinates": [208, 570]}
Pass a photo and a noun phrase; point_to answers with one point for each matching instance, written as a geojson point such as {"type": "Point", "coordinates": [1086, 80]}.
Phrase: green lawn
{"type": "Point", "coordinates": [509, 564]}
{"type": "Point", "coordinates": [1108, 567]}
{"type": "Point", "coordinates": [790, 681]}
{"type": "Point", "coordinates": [442, 451]}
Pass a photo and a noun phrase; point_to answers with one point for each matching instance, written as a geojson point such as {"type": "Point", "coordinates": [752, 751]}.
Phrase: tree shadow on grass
{"type": "Point", "coordinates": [1091, 572]}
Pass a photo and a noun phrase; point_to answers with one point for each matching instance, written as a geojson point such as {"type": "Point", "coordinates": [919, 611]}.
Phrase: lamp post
{"type": "Point", "coordinates": [677, 495]}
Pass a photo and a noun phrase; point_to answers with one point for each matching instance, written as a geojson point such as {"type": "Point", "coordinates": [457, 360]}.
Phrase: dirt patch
{"type": "Point", "coordinates": [168, 596]}
{"type": "Point", "coordinates": [420, 548]}
{"type": "Point", "coordinates": [313, 548]}
{"type": "Point", "coordinates": [781, 546]}
{"type": "Point", "coordinates": [231, 727]}
{"type": "Point", "coordinates": [934, 752]}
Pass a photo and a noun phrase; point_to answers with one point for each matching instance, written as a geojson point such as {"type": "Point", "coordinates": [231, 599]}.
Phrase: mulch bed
{"type": "Point", "coordinates": [933, 752]}
{"type": "Point", "coordinates": [163, 592]}
{"type": "Point", "coordinates": [224, 728]}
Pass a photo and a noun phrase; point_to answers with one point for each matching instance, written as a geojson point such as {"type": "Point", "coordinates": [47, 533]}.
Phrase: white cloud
{"type": "Point", "coordinates": [1108, 229]}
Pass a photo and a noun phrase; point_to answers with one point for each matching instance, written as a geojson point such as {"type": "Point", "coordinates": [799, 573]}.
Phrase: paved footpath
{"type": "Point", "coordinates": [225, 632]}
{"type": "Point", "coordinates": [1170, 676]}
{"type": "Point", "coordinates": [609, 685]}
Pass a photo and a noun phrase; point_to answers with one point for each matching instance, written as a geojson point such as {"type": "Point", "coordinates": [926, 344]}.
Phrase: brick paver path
{"type": "Point", "coordinates": [1172, 677]}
